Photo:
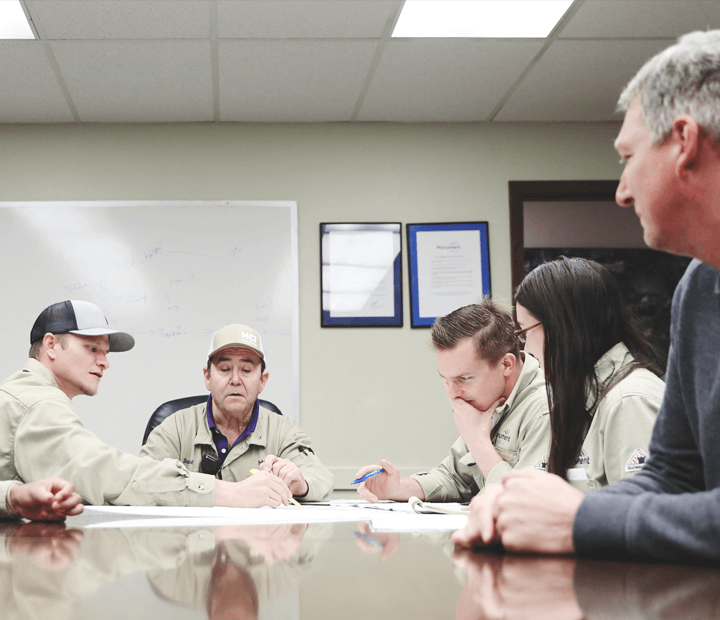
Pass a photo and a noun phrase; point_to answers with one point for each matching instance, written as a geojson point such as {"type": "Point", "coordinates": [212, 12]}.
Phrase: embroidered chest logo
{"type": "Point", "coordinates": [636, 461]}
{"type": "Point", "coordinates": [503, 438]}
{"type": "Point", "coordinates": [541, 464]}
{"type": "Point", "coordinates": [583, 460]}
{"type": "Point", "coordinates": [188, 462]}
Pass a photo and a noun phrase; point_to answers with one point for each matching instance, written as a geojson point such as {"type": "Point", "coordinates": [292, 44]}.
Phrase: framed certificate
{"type": "Point", "coordinates": [449, 268]}
{"type": "Point", "coordinates": [361, 279]}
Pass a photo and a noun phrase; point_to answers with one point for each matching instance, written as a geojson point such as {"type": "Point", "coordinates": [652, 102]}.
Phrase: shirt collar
{"type": "Point", "coordinates": [38, 368]}
{"type": "Point", "coordinates": [250, 428]}
{"type": "Point", "coordinates": [614, 359]}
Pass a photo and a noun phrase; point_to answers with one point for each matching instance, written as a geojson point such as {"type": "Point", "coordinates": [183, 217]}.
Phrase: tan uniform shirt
{"type": "Point", "coordinates": [521, 435]}
{"type": "Point", "coordinates": [4, 490]}
{"type": "Point", "coordinates": [616, 445]}
{"type": "Point", "coordinates": [41, 436]}
{"type": "Point", "coordinates": [186, 436]}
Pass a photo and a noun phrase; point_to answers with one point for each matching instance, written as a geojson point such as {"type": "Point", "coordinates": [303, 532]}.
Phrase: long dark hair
{"type": "Point", "coordinates": [583, 315]}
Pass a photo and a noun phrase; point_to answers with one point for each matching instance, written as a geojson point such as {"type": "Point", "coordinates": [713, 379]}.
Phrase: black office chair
{"type": "Point", "coordinates": [171, 406]}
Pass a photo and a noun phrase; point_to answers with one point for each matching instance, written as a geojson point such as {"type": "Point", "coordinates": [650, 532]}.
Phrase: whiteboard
{"type": "Point", "coordinates": [168, 272]}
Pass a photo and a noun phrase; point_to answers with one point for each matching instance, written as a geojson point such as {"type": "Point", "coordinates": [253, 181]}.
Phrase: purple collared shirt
{"type": "Point", "coordinates": [220, 441]}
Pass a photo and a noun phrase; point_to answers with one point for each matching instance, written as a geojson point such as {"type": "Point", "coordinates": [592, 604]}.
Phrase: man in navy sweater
{"type": "Point", "coordinates": [670, 145]}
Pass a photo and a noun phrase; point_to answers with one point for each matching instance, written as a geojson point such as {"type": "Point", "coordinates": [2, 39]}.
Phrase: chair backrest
{"type": "Point", "coordinates": [171, 406]}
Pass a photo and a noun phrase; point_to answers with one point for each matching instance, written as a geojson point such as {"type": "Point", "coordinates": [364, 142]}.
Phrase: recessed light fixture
{"type": "Point", "coordinates": [512, 19]}
{"type": "Point", "coordinates": [13, 23]}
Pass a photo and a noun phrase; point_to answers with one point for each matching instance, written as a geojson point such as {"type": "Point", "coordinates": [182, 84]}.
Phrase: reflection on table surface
{"type": "Point", "coordinates": [340, 570]}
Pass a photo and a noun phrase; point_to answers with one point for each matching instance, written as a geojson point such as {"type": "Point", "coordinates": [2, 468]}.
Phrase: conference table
{"type": "Point", "coordinates": [313, 571]}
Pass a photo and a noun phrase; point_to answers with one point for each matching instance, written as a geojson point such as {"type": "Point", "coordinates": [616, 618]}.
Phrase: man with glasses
{"type": "Point", "coordinates": [500, 405]}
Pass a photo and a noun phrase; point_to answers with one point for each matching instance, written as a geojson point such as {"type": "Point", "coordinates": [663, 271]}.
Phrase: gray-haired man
{"type": "Point", "coordinates": [670, 144]}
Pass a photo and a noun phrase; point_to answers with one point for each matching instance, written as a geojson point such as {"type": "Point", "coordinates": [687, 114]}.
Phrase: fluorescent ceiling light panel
{"type": "Point", "coordinates": [13, 23]}
{"type": "Point", "coordinates": [511, 19]}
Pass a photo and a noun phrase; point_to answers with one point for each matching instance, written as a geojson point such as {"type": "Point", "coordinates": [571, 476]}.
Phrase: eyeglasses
{"type": "Point", "coordinates": [520, 333]}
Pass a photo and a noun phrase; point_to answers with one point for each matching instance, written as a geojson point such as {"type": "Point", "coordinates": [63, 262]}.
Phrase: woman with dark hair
{"type": "Point", "coordinates": [602, 375]}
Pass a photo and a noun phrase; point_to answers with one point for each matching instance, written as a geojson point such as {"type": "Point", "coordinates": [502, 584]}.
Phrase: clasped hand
{"type": "Point", "coordinates": [288, 472]}
{"type": "Point", "coordinates": [530, 511]}
{"type": "Point", "coordinates": [51, 499]}
{"type": "Point", "coordinates": [257, 490]}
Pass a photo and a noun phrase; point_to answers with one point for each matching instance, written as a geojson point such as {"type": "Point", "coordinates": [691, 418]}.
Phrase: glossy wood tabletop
{"type": "Point", "coordinates": [318, 571]}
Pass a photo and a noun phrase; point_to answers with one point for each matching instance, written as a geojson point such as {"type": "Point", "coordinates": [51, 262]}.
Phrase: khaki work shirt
{"type": "Point", "coordinates": [186, 436]}
{"type": "Point", "coordinates": [521, 436]}
{"type": "Point", "coordinates": [616, 445]}
{"type": "Point", "coordinates": [41, 436]}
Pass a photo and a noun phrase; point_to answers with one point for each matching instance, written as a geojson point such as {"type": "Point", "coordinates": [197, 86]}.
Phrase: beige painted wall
{"type": "Point", "coordinates": [364, 393]}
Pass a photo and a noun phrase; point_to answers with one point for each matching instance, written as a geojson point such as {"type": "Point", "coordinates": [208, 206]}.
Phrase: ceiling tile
{"type": "Point", "coordinates": [30, 92]}
{"type": "Point", "coordinates": [444, 79]}
{"type": "Point", "coordinates": [323, 61]}
{"type": "Point", "coordinates": [642, 18]}
{"type": "Point", "coordinates": [138, 81]}
{"type": "Point", "coordinates": [121, 19]}
{"type": "Point", "coordinates": [307, 19]}
{"type": "Point", "coordinates": [578, 81]}
{"type": "Point", "coordinates": [293, 81]}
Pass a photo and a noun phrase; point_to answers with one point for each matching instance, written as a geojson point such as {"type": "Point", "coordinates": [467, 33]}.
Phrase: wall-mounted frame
{"type": "Point", "coordinates": [361, 274]}
{"type": "Point", "coordinates": [449, 268]}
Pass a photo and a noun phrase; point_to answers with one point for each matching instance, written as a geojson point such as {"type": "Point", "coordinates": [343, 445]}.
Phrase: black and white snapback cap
{"type": "Point", "coordinates": [79, 317]}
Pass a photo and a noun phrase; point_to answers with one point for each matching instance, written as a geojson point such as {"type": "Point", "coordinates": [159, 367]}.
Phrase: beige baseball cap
{"type": "Point", "coordinates": [236, 335]}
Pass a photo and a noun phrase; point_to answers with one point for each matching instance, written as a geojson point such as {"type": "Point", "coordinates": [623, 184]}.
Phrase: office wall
{"type": "Point", "coordinates": [364, 393]}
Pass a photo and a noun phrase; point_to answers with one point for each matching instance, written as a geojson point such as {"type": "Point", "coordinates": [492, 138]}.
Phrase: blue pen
{"type": "Point", "coordinates": [366, 476]}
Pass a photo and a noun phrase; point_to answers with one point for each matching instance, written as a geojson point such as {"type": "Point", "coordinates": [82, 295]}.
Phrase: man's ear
{"type": "Point", "coordinates": [263, 380]}
{"type": "Point", "coordinates": [509, 362]}
{"type": "Point", "coordinates": [206, 372]}
{"type": "Point", "coordinates": [50, 344]}
{"type": "Point", "coordinates": [686, 134]}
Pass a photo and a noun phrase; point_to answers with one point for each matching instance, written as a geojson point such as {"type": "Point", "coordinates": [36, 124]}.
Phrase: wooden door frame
{"type": "Point", "coordinates": [548, 191]}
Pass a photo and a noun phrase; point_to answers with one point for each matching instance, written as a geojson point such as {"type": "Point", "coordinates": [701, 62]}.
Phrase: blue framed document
{"type": "Point", "coordinates": [449, 268]}
{"type": "Point", "coordinates": [361, 275]}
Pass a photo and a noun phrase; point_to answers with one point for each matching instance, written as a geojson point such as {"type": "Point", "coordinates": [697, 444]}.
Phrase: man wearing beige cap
{"type": "Point", "coordinates": [232, 434]}
{"type": "Point", "coordinates": [42, 436]}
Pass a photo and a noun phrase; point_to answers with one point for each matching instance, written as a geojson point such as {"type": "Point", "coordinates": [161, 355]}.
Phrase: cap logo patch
{"type": "Point", "coordinates": [636, 461]}
{"type": "Point", "coordinates": [249, 338]}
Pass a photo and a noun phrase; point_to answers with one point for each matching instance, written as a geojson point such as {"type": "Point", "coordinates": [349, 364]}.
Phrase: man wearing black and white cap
{"type": "Point", "coordinates": [41, 434]}
{"type": "Point", "coordinates": [232, 433]}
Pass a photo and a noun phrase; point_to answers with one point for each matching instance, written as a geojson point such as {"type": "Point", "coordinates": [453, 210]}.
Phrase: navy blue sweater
{"type": "Point", "coordinates": [671, 509]}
